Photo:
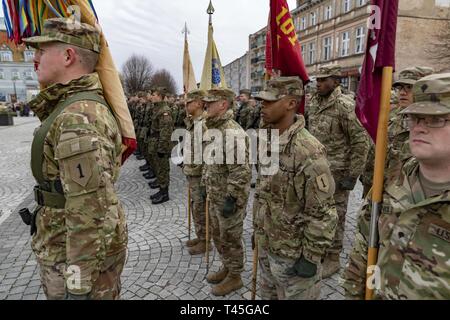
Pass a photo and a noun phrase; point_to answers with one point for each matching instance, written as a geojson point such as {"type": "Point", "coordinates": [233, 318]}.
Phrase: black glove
{"type": "Point", "coordinates": [203, 192]}
{"type": "Point", "coordinates": [229, 207]}
{"type": "Point", "coordinates": [70, 296]}
{"type": "Point", "coordinates": [253, 242]}
{"type": "Point", "coordinates": [161, 155]}
{"type": "Point", "coordinates": [348, 183]}
{"type": "Point", "coordinates": [303, 269]}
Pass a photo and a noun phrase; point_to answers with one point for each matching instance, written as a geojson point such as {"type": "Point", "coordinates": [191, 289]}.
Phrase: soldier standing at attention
{"type": "Point", "coordinates": [332, 120]}
{"type": "Point", "coordinates": [81, 231]}
{"type": "Point", "coordinates": [228, 186]}
{"type": "Point", "coordinates": [296, 218]}
{"type": "Point", "coordinates": [244, 111]}
{"type": "Point", "coordinates": [193, 171]}
{"type": "Point", "coordinates": [161, 134]}
{"type": "Point", "coordinates": [414, 223]}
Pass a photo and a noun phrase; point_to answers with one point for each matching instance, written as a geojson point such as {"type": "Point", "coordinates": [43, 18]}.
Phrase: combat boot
{"type": "Point", "coordinates": [193, 242]}
{"type": "Point", "coordinates": [216, 277]}
{"type": "Point", "coordinates": [154, 196]}
{"type": "Point", "coordinates": [162, 197]}
{"type": "Point", "coordinates": [199, 248]}
{"type": "Point", "coordinates": [154, 185]}
{"type": "Point", "coordinates": [140, 157]}
{"type": "Point", "coordinates": [331, 265]}
{"type": "Point", "coordinates": [149, 175]}
{"type": "Point", "coordinates": [145, 167]}
{"type": "Point", "coordinates": [231, 283]}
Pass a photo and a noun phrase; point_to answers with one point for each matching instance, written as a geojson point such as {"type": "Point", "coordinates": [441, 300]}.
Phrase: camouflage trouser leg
{"type": "Point", "coordinates": [277, 284]}
{"type": "Point", "coordinates": [198, 208]}
{"type": "Point", "coordinates": [151, 151]}
{"type": "Point", "coordinates": [106, 287]}
{"type": "Point", "coordinates": [163, 171]}
{"type": "Point", "coordinates": [52, 279]}
{"type": "Point", "coordinates": [341, 200]}
{"type": "Point", "coordinates": [108, 284]}
{"type": "Point", "coordinates": [227, 236]}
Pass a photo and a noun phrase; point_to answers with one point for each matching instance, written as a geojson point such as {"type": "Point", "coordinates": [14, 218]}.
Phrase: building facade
{"type": "Point", "coordinates": [18, 81]}
{"type": "Point", "coordinates": [237, 73]}
{"type": "Point", "coordinates": [257, 53]}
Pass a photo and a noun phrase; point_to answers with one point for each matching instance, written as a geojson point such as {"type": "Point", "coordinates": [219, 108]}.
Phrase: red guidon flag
{"type": "Point", "coordinates": [283, 51]}
{"type": "Point", "coordinates": [380, 53]}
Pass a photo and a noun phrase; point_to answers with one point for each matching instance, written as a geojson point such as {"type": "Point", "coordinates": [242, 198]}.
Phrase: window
{"type": "Point", "coordinates": [2, 75]}
{"type": "Point", "coordinates": [304, 52]}
{"type": "Point", "coordinates": [360, 37]}
{"type": "Point", "coordinates": [29, 75]}
{"type": "Point", "coordinates": [328, 13]}
{"type": "Point", "coordinates": [15, 75]}
{"type": "Point", "coordinates": [347, 5]}
{"type": "Point", "coordinates": [345, 45]}
{"type": "Point", "coordinates": [303, 23]}
{"type": "Point", "coordinates": [327, 48]}
{"type": "Point", "coordinates": [312, 53]}
{"type": "Point", "coordinates": [313, 18]}
{"type": "Point", "coordinates": [360, 3]}
{"type": "Point", "coordinates": [28, 55]}
{"type": "Point", "coordinates": [6, 56]}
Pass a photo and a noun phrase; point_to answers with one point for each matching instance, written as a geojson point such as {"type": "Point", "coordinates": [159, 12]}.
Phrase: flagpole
{"type": "Point", "coordinates": [378, 178]}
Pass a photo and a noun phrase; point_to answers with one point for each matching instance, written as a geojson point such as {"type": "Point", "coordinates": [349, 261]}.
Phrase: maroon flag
{"type": "Point", "coordinates": [380, 53]}
{"type": "Point", "coordinates": [283, 51]}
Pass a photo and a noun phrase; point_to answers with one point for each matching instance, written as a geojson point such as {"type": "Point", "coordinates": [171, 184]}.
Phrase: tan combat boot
{"type": "Point", "coordinates": [193, 242]}
{"type": "Point", "coordinates": [331, 265]}
{"type": "Point", "coordinates": [199, 248]}
{"type": "Point", "coordinates": [216, 277]}
{"type": "Point", "coordinates": [231, 283]}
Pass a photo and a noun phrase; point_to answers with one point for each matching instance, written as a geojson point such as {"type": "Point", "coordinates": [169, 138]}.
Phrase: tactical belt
{"type": "Point", "coordinates": [50, 193]}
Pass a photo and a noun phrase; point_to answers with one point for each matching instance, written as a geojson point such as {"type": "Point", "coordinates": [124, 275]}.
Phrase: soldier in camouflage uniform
{"type": "Point", "coordinates": [161, 141]}
{"type": "Point", "coordinates": [227, 185]}
{"type": "Point", "coordinates": [332, 120]}
{"type": "Point", "coordinates": [296, 217]}
{"type": "Point", "coordinates": [81, 237]}
{"type": "Point", "coordinates": [414, 223]}
{"type": "Point", "coordinates": [398, 147]}
{"type": "Point", "coordinates": [244, 111]}
{"type": "Point", "coordinates": [193, 170]}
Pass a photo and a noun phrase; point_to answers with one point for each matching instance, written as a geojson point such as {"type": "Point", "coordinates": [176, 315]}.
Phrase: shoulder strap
{"type": "Point", "coordinates": [37, 148]}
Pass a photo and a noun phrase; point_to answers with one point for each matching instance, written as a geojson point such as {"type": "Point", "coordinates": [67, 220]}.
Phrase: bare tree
{"type": "Point", "coordinates": [136, 74]}
{"type": "Point", "coordinates": [440, 49]}
{"type": "Point", "coordinates": [163, 78]}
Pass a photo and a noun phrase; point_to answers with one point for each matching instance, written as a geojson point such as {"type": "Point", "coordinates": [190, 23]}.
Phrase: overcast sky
{"type": "Point", "coordinates": [153, 28]}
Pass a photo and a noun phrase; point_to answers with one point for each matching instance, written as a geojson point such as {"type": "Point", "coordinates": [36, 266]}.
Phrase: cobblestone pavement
{"type": "Point", "coordinates": [158, 265]}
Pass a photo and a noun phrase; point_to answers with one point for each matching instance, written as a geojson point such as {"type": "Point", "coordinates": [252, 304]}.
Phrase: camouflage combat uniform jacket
{"type": "Point", "coordinates": [194, 169]}
{"type": "Point", "coordinates": [244, 115]}
{"type": "Point", "coordinates": [333, 122]}
{"type": "Point", "coordinates": [414, 245]}
{"type": "Point", "coordinates": [296, 214]}
{"type": "Point", "coordinates": [224, 179]}
{"type": "Point", "coordinates": [83, 150]}
{"type": "Point", "coordinates": [162, 127]}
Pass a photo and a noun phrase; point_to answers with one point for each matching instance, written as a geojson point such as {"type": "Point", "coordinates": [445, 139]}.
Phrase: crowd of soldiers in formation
{"type": "Point", "coordinates": [296, 251]}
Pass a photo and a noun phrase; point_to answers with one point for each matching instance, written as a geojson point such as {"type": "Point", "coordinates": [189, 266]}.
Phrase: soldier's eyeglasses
{"type": "Point", "coordinates": [411, 121]}
{"type": "Point", "coordinates": [406, 87]}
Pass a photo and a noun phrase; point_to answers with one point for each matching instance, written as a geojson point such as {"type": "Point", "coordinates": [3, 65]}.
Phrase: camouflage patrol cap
{"type": "Point", "coordinates": [431, 96]}
{"type": "Point", "coordinates": [411, 75]}
{"type": "Point", "coordinates": [195, 95]}
{"type": "Point", "coordinates": [245, 91]}
{"type": "Point", "coordinates": [67, 31]}
{"type": "Point", "coordinates": [333, 70]}
{"type": "Point", "coordinates": [218, 94]}
{"type": "Point", "coordinates": [281, 87]}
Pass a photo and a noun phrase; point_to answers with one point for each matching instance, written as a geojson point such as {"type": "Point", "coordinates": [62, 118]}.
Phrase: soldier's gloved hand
{"type": "Point", "coordinates": [70, 296]}
{"type": "Point", "coordinates": [161, 155]}
{"type": "Point", "coordinates": [229, 207]}
{"type": "Point", "coordinates": [303, 268]}
{"type": "Point", "coordinates": [348, 183]}
{"type": "Point", "coordinates": [203, 192]}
